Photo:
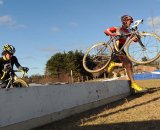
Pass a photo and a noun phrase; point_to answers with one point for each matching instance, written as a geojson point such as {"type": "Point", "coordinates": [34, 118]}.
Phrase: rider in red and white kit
{"type": "Point", "coordinates": [122, 31]}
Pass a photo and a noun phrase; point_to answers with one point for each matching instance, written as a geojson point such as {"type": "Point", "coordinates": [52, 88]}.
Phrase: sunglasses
{"type": "Point", "coordinates": [10, 54]}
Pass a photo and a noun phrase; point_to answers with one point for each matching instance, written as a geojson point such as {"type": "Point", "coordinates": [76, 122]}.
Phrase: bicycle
{"type": "Point", "coordinates": [145, 50]}
{"type": "Point", "coordinates": [15, 81]}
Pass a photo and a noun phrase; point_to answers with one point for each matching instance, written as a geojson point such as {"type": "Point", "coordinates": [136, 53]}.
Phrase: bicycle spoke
{"type": "Point", "coordinates": [97, 57]}
{"type": "Point", "coordinates": [152, 49]}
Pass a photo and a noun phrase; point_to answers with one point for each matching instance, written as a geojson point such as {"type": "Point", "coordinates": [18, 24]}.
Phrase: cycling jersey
{"type": "Point", "coordinates": [113, 31]}
{"type": "Point", "coordinates": [122, 31]}
{"type": "Point", "coordinates": [13, 61]}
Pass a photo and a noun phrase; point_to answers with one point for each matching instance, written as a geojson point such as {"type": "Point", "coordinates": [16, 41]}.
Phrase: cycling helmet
{"type": "Point", "coordinates": [125, 18]}
{"type": "Point", "coordinates": [9, 48]}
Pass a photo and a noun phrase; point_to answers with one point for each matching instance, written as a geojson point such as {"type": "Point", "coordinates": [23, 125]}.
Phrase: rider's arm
{"type": "Point", "coordinates": [19, 66]}
{"type": "Point", "coordinates": [111, 31]}
{"type": "Point", "coordinates": [134, 38]}
{"type": "Point", "coordinates": [15, 60]}
{"type": "Point", "coordinates": [1, 69]}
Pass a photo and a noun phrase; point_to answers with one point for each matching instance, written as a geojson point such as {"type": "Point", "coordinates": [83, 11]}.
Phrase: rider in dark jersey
{"type": "Point", "coordinates": [7, 61]}
{"type": "Point", "coordinates": [122, 33]}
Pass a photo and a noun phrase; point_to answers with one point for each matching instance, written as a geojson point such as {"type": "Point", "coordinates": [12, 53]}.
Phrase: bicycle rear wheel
{"type": "Point", "coordinates": [97, 57]}
{"type": "Point", "coordinates": [19, 83]}
{"type": "Point", "coordinates": [146, 55]}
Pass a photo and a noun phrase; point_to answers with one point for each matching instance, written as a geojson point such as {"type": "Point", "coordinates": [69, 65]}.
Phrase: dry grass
{"type": "Point", "coordinates": [136, 112]}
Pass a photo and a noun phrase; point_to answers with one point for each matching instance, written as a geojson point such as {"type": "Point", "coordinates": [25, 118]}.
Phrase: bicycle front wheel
{"type": "Point", "coordinates": [19, 83]}
{"type": "Point", "coordinates": [149, 53]}
{"type": "Point", "coordinates": [97, 57]}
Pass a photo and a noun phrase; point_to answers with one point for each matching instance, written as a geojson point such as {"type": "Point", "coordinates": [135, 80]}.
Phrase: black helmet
{"type": "Point", "coordinates": [9, 48]}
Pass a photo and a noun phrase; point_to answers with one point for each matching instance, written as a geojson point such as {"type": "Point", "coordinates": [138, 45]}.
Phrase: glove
{"type": "Point", "coordinates": [7, 67]}
{"type": "Point", "coordinates": [25, 69]}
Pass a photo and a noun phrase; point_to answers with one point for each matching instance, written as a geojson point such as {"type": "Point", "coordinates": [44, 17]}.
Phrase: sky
{"type": "Point", "coordinates": [38, 29]}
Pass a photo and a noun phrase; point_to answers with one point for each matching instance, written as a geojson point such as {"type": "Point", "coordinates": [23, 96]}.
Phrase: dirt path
{"type": "Point", "coordinates": [136, 112]}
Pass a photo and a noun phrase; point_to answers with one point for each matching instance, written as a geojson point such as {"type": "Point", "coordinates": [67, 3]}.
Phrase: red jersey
{"type": "Point", "coordinates": [113, 31]}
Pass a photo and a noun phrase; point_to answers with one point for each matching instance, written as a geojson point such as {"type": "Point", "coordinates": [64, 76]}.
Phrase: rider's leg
{"type": "Point", "coordinates": [129, 69]}
{"type": "Point", "coordinates": [128, 65]}
{"type": "Point", "coordinates": [112, 65]}
{"type": "Point", "coordinates": [115, 62]}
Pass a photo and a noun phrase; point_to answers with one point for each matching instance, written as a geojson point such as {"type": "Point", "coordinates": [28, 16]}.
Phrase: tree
{"type": "Point", "coordinates": [63, 63]}
{"type": "Point", "coordinates": [55, 65]}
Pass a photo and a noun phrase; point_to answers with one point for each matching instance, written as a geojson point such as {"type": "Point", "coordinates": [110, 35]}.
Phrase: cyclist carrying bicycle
{"type": "Point", "coordinates": [121, 33]}
{"type": "Point", "coordinates": [7, 61]}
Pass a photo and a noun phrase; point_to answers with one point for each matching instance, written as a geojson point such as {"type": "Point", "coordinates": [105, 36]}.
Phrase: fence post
{"type": "Point", "coordinates": [71, 76]}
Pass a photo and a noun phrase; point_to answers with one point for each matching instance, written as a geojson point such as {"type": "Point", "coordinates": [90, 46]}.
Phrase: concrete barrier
{"type": "Point", "coordinates": [26, 108]}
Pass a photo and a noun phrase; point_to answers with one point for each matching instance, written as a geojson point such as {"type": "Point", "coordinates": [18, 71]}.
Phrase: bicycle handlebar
{"type": "Point", "coordinates": [137, 22]}
{"type": "Point", "coordinates": [23, 72]}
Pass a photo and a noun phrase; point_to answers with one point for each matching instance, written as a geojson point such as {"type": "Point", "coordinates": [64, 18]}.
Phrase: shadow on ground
{"type": "Point", "coordinates": [143, 125]}
{"type": "Point", "coordinates": [71, 123]}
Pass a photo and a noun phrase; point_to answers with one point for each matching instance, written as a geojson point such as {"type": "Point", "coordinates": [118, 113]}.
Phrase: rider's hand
{"type": "Point", "coordinates": [135, 39]}
{"type": "Point", "coordinates": [25, 69]}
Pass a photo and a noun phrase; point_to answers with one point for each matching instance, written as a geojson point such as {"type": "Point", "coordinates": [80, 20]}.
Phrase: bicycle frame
{"type": "Point", "coordinates": [12, 78]}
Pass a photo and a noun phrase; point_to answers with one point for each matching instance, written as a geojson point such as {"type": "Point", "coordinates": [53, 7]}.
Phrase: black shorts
{"type": "Point", "coordinates": [116, 58]}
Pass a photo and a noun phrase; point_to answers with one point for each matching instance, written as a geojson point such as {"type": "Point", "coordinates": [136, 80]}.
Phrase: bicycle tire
{"type": "Point", "coordinates": [20, 83]}
{"type": "Point", "coordinates": [138, 55]}
{"type": "Point", "coordinates": [96, 61]}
